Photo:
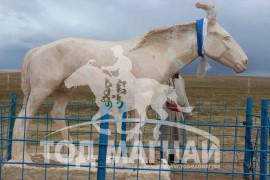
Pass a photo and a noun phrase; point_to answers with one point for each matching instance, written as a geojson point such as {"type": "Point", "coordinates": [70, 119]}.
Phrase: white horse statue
{"type": "Point", "coordinates": [157, 54]}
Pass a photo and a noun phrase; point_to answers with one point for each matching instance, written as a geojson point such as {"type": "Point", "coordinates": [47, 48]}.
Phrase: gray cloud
{"type": "Point", "coordinates": [30, 23]}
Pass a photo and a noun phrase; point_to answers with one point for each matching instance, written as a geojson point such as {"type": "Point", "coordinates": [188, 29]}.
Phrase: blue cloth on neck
{"type": "Point", "coordinates": [199, 27]}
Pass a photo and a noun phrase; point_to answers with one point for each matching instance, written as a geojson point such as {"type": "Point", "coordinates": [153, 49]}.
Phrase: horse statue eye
{"type": "Point", "coordinates": [226, 38]}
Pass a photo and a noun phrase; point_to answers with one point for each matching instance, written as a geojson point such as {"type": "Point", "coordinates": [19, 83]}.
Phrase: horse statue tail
{"type": "Point", "coordinates": [25, 77]}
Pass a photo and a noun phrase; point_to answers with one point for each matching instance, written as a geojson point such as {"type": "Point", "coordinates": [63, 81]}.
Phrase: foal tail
{"type": "Point", "coordinates": [25, 76]}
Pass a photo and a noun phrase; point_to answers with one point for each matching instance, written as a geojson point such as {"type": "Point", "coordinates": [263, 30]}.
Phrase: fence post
{"type": "Point", "coordinates": [264, 139]}
{"type": "Point", "coordinates": [11, 124]}
{"type": "Point", "coordinates": [248, 134]}
{"type": "Point", "coordinates": [123, 134]}
{"type": "Point", "coordinates": [103, 143]}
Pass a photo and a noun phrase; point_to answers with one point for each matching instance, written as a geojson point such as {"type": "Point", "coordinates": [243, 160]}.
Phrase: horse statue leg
{"type": "Point", "coordinates": [21, 126]}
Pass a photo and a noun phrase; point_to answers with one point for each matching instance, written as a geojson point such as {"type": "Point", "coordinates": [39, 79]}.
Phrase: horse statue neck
{"type": "Point", "coordinates": [166, 50]}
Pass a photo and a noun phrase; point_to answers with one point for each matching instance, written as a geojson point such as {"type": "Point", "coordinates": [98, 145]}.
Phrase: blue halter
{"type": "Point", "coordinates": [199, 27]}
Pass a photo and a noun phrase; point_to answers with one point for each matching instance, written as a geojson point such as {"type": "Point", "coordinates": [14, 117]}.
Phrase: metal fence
{"type": "Point", "coordinates": [221, 142]}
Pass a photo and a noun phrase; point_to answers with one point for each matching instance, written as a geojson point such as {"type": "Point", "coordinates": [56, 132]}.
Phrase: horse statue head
{"type": "Point", "coordinates": [219, 45]}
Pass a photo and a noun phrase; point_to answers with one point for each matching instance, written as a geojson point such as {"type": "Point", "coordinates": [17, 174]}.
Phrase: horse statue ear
{"type": "Point", "coordinates": [210, 10]}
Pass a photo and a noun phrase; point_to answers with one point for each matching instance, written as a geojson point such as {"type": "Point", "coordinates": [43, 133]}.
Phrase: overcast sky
{"type": "Point", "coordinates": [29, 23]}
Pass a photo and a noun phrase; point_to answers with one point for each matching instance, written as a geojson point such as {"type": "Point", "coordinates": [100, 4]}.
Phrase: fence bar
{"type": "Point", "coordinates": [103, 143]}
{"type": "Point", "coordinates": [248, 134]}
{"type": "Point", "coordinates": [11, 124]}
{"type": "Point", "coordinates": [264, 139]}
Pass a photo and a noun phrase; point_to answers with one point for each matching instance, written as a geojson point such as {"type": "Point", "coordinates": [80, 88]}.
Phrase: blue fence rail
{"type": "Point", "coordinates": [248, 164]}
{"type": "Point", "coordinates": [243, 141]}
{"type": "Point", "coordinates": [264, 139]}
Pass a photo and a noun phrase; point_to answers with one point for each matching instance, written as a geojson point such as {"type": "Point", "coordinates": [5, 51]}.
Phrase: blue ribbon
{"type": "Point", "coordinates": [199, 27]}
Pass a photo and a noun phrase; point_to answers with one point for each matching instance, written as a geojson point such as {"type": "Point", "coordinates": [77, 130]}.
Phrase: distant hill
{"type": "Point", "coordinates": [9, 70]}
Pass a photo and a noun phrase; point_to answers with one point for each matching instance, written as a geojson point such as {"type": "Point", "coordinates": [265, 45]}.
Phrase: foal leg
{"type": "Point", "coordinates": [137, 134]}
{"type": "Point", "coordinates": [140, 105]}
{"type": "Point", "coordinates": [163, 116]}
{"type": "Point", "coordinates": [21, 126]}
{"type": "Point", "coordinates": [61, 99]}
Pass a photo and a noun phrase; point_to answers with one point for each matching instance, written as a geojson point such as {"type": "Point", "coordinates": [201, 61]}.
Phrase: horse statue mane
{"type": "Point", "coordinates": [170, 32]}
{"type": "Point", "coordinates": [161, 34]}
